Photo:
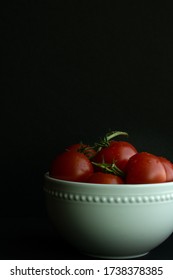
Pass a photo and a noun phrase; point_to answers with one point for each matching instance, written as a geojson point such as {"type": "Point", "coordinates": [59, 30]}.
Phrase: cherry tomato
{"type": "Point", "coordinates": [104, 178]}
{"type": "Point", "coordinates": [168, 168]}
{"type": "Point", "coordinates": [117, 152]}
{"type": "Point", "coordinates": [82, 148]}
{"type": "Point", "coordinates": [71, 166]}
{"type": "Point", "coordinates": [145, 168]}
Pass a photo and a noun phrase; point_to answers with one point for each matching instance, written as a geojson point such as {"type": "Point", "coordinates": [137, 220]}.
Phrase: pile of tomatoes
{"type": "Point", "coordinates": [110, 161]}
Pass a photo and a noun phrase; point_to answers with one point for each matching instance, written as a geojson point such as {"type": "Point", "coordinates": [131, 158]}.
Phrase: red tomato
{"type": "Point", "coordinates": [104, 178]}
{"type": "Point", "coordinates": [168, 168]}
{"type": "Point", "coordinates": [117, 152]}
{"type": "Point", "coordinates": [82, 148]}
{"type": "Point", "coordinates": [71, 166]}
{"type": "Point", "coordinates": [145, 168]}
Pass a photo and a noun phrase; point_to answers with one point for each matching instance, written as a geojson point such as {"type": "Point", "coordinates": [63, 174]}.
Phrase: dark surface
{"type": "Point", "coordinates": [32, 238]}
{"type": "Point", "coordinates": [73, 71]}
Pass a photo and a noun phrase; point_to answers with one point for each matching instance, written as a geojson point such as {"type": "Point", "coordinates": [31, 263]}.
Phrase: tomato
{"type": "Point", "coordinates": [104, 178]}
{"type": "Point", "coordinates": [82, 148]}
{"type": "Point", "coordinates": [144, 168]}
{"type": "Point", "coordinates": [168, 168]}
{"type": "Point", "coordinates": [117, 152]}
{"type": "Point", "coordinates": [71, 166]}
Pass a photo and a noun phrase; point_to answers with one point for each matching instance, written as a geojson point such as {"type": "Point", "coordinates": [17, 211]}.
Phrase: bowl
{"type": "Point", "coordinates": [110, 221]}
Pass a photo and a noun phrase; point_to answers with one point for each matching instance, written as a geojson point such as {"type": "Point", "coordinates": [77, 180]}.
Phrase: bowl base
{"type": "Point", "coordinates": [117, 257]}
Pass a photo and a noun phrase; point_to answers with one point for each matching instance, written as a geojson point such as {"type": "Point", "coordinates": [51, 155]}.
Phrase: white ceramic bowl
{"type": "Point", "coordinates": [111, 221]}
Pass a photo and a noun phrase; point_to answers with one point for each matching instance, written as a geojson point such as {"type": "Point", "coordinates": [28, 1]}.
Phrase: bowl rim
{"type": "Point", "coordinates": [147, 186]}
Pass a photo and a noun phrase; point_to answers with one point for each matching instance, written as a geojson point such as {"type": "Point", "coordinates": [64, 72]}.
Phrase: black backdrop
{"type": "Point", "coordinates": [72, 71]}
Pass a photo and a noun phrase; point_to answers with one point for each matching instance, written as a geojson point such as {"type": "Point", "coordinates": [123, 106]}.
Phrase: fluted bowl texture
{"type": "Point", "coordinates": [110, 221]}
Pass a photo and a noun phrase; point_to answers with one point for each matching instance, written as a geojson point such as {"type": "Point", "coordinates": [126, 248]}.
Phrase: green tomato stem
{"type": "Point", "coordinates": [114, 134]}
{"type": "Point", "coordinates": [110, 168]}
{"type": "Point", "coordinates": [106, 140]}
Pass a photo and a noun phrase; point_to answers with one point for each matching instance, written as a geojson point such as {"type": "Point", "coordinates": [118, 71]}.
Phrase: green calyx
{"type": "Point", "coordinates": [105, 142]}
{"type": "Point", "coordinates": [110, 168]}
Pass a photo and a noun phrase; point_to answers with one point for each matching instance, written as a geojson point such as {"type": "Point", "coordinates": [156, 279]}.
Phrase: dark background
{"type": "Point", "coordinates": [73, 71]}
